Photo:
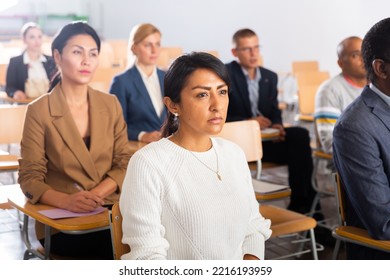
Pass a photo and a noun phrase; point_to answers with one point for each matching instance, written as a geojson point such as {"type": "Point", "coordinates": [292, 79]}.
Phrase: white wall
{"type": "Point", "coordinates": [288, 30]}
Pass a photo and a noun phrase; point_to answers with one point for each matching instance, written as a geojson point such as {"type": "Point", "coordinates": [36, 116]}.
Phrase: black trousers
{"type": "Point", "coordinates": [295, 152]}
{"type": "Point", "coordinates": [91, 246]}
{"type": "Point", "coordinates": [357, 252]}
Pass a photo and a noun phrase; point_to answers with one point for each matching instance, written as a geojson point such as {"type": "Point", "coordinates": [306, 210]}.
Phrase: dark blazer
{"type": "Point", "coordinates": [361, 154]}
{"type": "Point", "coordinates": [17, 73]}
{"type": "Point", "coordinates": [239, 103]}
{"type": "Point", "coordinates": [54, 155]}
{"type": "Point", "coordinates": [137, 106]}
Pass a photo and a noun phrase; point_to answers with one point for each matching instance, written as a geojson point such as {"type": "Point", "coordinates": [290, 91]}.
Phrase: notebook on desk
{"type": "Point", "coordinates": [57, 213]}
{"type": "Point", "coordinates": [269, 131]}
{"type": "Point", "coordinates": [265, 187]}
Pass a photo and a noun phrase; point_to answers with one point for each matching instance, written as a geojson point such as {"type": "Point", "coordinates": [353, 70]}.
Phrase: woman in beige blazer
{"type": "Point", "coordinates": [74, 150]}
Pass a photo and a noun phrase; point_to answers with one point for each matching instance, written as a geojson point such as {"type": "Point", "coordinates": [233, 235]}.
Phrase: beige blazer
{"type": "Point", "coordinates": [54, 155]}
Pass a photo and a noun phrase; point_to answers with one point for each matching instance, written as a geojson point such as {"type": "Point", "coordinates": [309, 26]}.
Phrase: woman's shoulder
{"type": "Point", "coordinates": [40, 101]}
{"type": "Point", "coordinates": [104, 100]}
{"type": "Point", "coordinates": [101, 95]}
{"type": "Point", "coordinates": [39, 106]}
{"type": "Point", "coordinates": [125, 75]}
{"type": "Point", "coordinates": [162, 146]}
{"type": "Point", "coordinates": [16, 59]}
{"type": "Point", "coordinates": [161, 154]}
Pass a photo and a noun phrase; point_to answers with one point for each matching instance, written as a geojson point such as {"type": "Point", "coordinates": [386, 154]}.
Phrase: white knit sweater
{"type": "Point", "coordinates": [174, 207]}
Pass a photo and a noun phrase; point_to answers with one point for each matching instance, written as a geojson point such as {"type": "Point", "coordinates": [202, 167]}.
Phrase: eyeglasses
{"type": "Point", "coordinates": [249, 49]}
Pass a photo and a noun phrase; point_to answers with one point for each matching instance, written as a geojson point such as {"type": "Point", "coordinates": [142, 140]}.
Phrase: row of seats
{"type": "Point", "coordinates": [308, 77]}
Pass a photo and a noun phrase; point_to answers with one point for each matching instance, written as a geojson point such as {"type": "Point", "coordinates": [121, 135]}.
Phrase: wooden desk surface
{"type": "Point", "coordinates": [8, 162]}
{"type": "Point", "coordinates": [19, 201]}
{"type": "Point", "coordinates": [270, 136]}
{"type": "Point", "coordinates": [9, 100]}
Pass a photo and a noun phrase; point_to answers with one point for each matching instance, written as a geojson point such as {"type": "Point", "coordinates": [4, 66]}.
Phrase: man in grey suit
{"type": "Point", "coordinates": [361, 146]}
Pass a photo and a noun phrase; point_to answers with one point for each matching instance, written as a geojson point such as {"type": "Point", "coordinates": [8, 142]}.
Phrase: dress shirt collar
{"type": "Point", "coordinates": [257, 75]}
{"type": "Point", "coordinates": [27, 60]}
{"type": "Point", "coordinates": [143, 75]}
{"type": "Point", "coordinates": [381, 94]}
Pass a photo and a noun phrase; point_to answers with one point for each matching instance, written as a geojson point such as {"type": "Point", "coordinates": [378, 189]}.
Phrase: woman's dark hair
{"type": "Point", "coordinates": [64, 35]}
{"type": "Point", "coordinates": [178, 74]}
{"type": "Point", "coordinates": [376, 45]}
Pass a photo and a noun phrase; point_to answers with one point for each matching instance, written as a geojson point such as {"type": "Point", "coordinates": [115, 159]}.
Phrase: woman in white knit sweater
{"type": "Point", "coordinates": [190, 196]}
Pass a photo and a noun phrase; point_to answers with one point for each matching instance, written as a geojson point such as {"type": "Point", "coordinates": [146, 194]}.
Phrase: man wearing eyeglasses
{"type": "Point", "coordinates": [361, 150]}
{"type": "Point", "coordinates": [254, 95]}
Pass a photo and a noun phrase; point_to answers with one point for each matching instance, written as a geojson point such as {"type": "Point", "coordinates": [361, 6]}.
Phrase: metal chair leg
{"type": "Point", "coordinates": [313, 244]}
{"type": "Point", "coordinates": [336, 249]}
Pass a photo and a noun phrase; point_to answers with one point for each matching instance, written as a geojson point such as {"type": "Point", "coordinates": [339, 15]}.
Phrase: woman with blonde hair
{"type": "Point", "coordinates": [140, 88]}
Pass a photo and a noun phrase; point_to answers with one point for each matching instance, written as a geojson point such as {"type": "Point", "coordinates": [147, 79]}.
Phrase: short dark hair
{"type": "Point", "coordinates": [70, 30]}
{"type": "Point", "coordinates": [178, 74]}
{"type": "Point", "coordinates": [242, 33]}
{"type": "Point", "coordinates": [65, 34]}
{"type": "Point", "coordinates": [376, 45]}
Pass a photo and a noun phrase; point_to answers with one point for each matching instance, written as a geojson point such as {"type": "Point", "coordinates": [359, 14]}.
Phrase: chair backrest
{"type": "Point", "coordinates": [302, 66]}
{"type": "Point", "coordinates": [247, 135]}
{"type": "Point", "coordinates": [314, 78]}
{"type": "Point", "coordinates": [103, 77]}
{"type": "Point", "coordinates": [120, 50]}
{"type": "Point", "coordinates": [341, 200]}
{"type": "Point", "coordinates": [116, 232]}
{"type": "Point", "coordinates": [106, 55]}
{"type": "Point", "coordinates": [3, 74]}
{"type": "Point", "coordinates": [306, 99]}
{"type": "Point", "coordinates": [10, 49]}
{"type": "Point", "coordinates": [167, 56]}
{"type": "Point", "coordinates": [308, 83]}
{"type": "Point", "coordinates": [11, 123]}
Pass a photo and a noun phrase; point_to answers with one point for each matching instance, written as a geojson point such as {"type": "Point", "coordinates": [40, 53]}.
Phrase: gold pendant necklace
{"type": "Point", "coordinates": [208, 167]}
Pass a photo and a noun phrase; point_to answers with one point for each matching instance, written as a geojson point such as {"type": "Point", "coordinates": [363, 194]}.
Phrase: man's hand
{"type": "Point", "coordinates": [282, 132]}
{"type": "Point", "coordinates": [263, 122]}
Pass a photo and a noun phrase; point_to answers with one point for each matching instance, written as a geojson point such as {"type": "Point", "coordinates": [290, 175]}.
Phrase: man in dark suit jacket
{"type": "Point", "coordinates": [253, 95]}
{"type": "Point", "coordinates": [361, 148]}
